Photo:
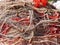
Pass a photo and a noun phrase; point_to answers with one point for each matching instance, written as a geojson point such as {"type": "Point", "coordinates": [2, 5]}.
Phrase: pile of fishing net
{"type": "Point", "coordinates": [22, 21]}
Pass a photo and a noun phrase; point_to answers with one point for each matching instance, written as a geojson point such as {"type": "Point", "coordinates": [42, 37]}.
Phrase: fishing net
{"type": "Point", "coordinates": [21, 21]}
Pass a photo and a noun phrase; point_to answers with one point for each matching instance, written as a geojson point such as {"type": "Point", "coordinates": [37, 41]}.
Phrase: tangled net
{"type": "Point", "coordinates": [22, 21]}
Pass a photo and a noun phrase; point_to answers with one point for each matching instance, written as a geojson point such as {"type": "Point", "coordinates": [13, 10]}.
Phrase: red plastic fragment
{"type": "Point", "coordinates": [38, 3]}
{"type": "Point", "coordinates": [44, 2]}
